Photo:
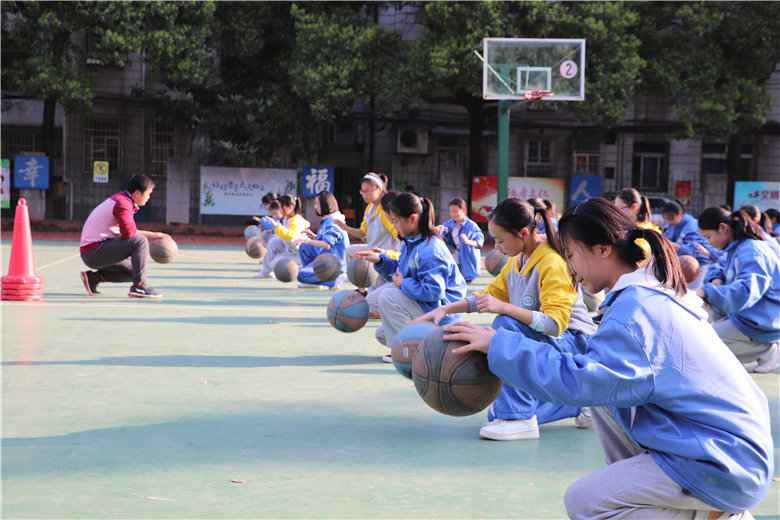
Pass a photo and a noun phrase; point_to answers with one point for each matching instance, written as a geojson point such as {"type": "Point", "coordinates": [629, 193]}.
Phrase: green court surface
{"type": "Point", "coordinates": [233, 398]}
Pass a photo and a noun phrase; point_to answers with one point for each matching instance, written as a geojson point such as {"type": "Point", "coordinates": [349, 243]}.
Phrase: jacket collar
{"type": "Point", "coordinates": [540, 252]}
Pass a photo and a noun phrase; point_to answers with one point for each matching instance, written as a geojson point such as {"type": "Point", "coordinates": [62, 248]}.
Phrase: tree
{"type": "Point", "coordinates": [45, 49]}
{"type": "Point", "coordinates": [343, 58]}
{"type": "Point", "coordinates": [714, 61]}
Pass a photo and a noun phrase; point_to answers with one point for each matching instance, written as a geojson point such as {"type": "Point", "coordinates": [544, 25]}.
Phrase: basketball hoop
{"type": "Point", "coordinates": [536, 95]}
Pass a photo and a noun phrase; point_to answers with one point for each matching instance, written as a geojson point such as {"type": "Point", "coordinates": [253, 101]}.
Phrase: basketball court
{"type": "Point", "coordinates": [233, 397]}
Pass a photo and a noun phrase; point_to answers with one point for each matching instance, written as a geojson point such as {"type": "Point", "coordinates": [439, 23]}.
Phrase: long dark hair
{"type": "Point", "coordinates": [631, 196]}
{"type": "Point", "coordinates": [407, 204]}
{"type": "Point", "coordinates": [514, 215]}
{"type": "Point", "coordinates": [328, 203]}
{"type": "Point", "coordinates": [294, 202]}
{"type": "Point", "coordinates": [739, 222]}
{"type": "Point", "coordinates": [772, 214]}
{"type": "Point", "coordinates": [599, 222]}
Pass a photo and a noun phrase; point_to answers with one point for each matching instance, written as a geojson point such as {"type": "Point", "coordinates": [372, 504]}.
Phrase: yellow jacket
{"type": "Point", "coordinates": [294, 229]}
{"type": "Point", "coordinates": [556, 290]}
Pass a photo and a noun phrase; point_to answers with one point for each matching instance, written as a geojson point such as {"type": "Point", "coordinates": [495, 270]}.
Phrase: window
{"type": "Point", "coordinates": [714, 158]}
{"type": "Point", "coordinates": [651, 167]}
{"type": "Point", "coordinates": [162, 148]}
{"type": "Point", "coordinates": [18, 143]}
{"type": "Point", "coordinates": [102, 143]}
{"type": "Point", "coordinates": [586, 164]}
{"type": "Point", "coordinates": [538, 162]}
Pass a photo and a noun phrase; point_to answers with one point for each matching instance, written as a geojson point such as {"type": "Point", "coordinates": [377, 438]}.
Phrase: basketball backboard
{"type": "Point", "coordinates": [514, 66]}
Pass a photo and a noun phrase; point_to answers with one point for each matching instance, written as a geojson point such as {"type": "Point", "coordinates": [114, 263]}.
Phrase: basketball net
{"type": "Point", "coordinates": [536, 95]}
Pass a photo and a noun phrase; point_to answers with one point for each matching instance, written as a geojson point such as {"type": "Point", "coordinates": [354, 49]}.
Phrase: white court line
{"type": "Point", "coordinates": [60, 261]}
{"type": "Point", "coordinates": [151, 303]}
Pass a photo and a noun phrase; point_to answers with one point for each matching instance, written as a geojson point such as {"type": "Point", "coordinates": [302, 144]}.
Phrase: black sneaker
{"type": "Point", "coordinates": [143, 291]}
{"type": "Point", "coordinates": [90, 279]}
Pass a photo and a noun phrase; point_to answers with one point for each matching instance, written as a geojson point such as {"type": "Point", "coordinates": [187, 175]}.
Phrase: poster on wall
{"type": "Point", "coordinates": [31, 172]}
{"type": "Point", "coordinates": [237, 191]}
{"type": "Point", "coordinates": [538, 187]}
{"type": "Point", "coordinates": [100, 172]}
{"type": "Point", "coordinates": [484, 192]}
{"type": "Point", "coordinates": [317, 179]}
{"type": "Point", "coordinates": [683, 190]}
{"type": "Point", "coordinates": [5, 185]}
{"type": "Point", "coordinates": [764, 194]}
{"type": "Point", "coordinates": [584, 187]}
{"type": "Point", "coordinates": [483, 198]}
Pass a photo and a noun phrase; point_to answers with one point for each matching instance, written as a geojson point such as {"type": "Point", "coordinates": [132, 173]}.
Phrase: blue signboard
{"type": "Point", "coordinates": [317, 179]}
{"type": "Point", "coordinates": [584, 187]}
{"type": "Point", "coordinates": [31, 172]}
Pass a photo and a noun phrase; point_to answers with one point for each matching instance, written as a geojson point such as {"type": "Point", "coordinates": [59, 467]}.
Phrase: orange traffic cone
{"type": "Point", "coordinates": [21, 283]}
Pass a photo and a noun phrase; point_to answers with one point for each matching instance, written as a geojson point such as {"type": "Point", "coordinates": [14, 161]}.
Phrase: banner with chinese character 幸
{"type": "Point", "coordinates": [316, 179]}
{"type": "Point", "coordinates": [238, 191]}
{"type": "Point", "coordinates": [764, 194]}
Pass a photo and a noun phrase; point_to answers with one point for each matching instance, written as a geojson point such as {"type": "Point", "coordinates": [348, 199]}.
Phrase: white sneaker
{"type": "Point", "coordinates": [339, 282]}
{"type": "Point", "coordinates": [264, 274]}
{"type": "Point", "coordinates": [387, 358]}
{"type": "Point", "coordinates": [315, 286]}
{"type": "Point", "coordinates": [584, 420]}
{"type": "Point", "coordinates": [501, 430]}
{"type": "Point", "coordinates": [769, 361]}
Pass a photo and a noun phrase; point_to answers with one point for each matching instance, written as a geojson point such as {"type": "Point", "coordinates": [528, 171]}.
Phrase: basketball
{"type": "Point", "coordinates": [255, 248]}
{"type": "Point", "coordinates": [348, 311]}
{"type": "Point", "coordinates": [406, 343]}
{"type": "Point", "coordinates": [163, 250]}
{"type": "Point", "coordinates": [251, 231]}
{"type": "Point", "coordinates": [361, 273]}
{"type": "Point", "coordinates": [495, 261]}
{"type": "Point", "coordinates": [456, 385]}
{"type": "Point", "coordinates": [286, 270]}
{"type": "Point", "coordinates": [327, 267]}
{"type": "Point", "coordinates": [690, 268]}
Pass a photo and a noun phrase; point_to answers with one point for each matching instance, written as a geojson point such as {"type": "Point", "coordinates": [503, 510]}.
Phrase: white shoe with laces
{"type": "Point", "coordinates": [768, 362]}
{"type": "Point", "coordinates": [584, 420]}
{"type": "Point", "coordinates": [501, 430]}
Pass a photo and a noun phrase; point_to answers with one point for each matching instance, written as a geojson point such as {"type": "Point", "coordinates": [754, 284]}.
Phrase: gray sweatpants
{"type": "Point", "coordinates": [632, 485]}
{"type": "Point", "coordinates": [396, 310]}
{"type": "Point", "coordinates": [120, 260]}
{"type": "Point", "coordinates": [746, 350]}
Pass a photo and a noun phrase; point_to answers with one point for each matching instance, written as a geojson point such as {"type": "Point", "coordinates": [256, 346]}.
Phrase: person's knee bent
{"type": "Point", "coordinates": [139, 241]}
{"type": "Point", "coordinates": [577, 499]}
{"type": "Point", "coordinates": [388, 298]}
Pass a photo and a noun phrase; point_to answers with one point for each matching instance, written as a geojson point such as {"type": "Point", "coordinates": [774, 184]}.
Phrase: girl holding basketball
{"type": "Point", "coordinates": [330, 238]}
{"type": "Point", "coordinates": [425, 275]}
{"type": "Point", "coordinates": [685, 430]}
{"type": "Point", "coordinates": [744, 293]}
{"type": "Point", "coordinates": [376, 228]}
{"type": "Point", "coordinates": [532, 294]}
{"type": "Point", "coordinates": [464, 239]}
{"type": "Point", "coordinates": [293, 227]}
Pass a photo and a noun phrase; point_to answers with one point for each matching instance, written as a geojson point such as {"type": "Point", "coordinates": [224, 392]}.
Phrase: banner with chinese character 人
{"type": "Point", "coordinates": [316, 179]}
{"type": "Point", "coordinates": [31, 172]}
{"type": "Point", "coordinates": [763, 194]}
{"type": "Point", "coordinates": [238, 191]}
{"type": "Point", "coordinates": [584, 187]}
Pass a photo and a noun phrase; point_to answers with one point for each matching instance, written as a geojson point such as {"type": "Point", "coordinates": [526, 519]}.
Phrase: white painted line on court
{"type": "Point", "coordinates": [57, 262]}
{"type": "Point", "coordinates": [156, 305]}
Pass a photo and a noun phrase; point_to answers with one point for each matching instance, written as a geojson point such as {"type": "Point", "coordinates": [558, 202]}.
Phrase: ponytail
{"type": "Point", "coordinates": [665, 264]}
{"type": "Point", "coordinates": [631, 196]}
{"type": "Point", "coordinates": [742, 226]}
{"type": "Point", "coordinates": [514, 215]}
{"type": "Point", "coordinates": [549, 230]}
{"type": "Point", "coordinates": [407, 204]}
{"type": "Point", "coordinates": [599, 222]}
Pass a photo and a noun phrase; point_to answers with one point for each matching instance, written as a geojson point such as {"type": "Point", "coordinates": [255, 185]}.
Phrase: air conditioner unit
{"type": "Point", "coordinates": [413, 141]}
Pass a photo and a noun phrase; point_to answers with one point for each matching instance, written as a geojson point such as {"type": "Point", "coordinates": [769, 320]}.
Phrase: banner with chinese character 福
{"type": "Point", "coordinates": [31, 172]}
{"type": "Point", "coordinates": [238, 191]}
{"type": "Point", "coordinates": [763, 194]}
{"type": "Point", "coordinates": [316, 179]}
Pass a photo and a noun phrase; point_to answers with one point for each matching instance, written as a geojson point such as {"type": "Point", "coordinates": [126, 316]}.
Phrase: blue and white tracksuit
{"type": "Point", "coordinates": [468, 257]}
{"type": "Point", "coordinates": [686, 234]}
{"type": "Point", "coordinates": [336, 238]}
{"type": "Point", "coordinates": [750, 293]}
{"type": "Point", "coordinates": [670, 383]}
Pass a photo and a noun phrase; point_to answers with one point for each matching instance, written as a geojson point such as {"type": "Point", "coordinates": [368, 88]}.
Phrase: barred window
{"type": "Point", "coordinates": [102, 142]}
{"type": "Point", "coordinates": [162, 147]}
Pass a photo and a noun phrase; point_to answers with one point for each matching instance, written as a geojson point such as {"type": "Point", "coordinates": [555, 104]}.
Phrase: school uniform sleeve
{"type": "Point", "coordinates": [615, 372]}
{"type": "Point", "coordinates": [386, 266]}
{"type": "Point", "coordinates": [364, 222]}
{"type": "Point", "coordinates": [296, 227]}
{"type": "Point", "coordinates": [475, 233]}
{"type": "Point", "coordinates": [389, 227]}
{"type": "Point", "coordinates": [498, 288]}
{"type": "Point", "coordinates": [392, 254]}
{"type": "Point", "coordinates": [430, 284]}
{"type": "Point", "coordinates": [750, 284]}
{"type": "Point", "coordinates": [556, 292]}
{"type": "Point", "coordinates": [331, 236]}
{"type": "Point", "coordinates": [123, 213]}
